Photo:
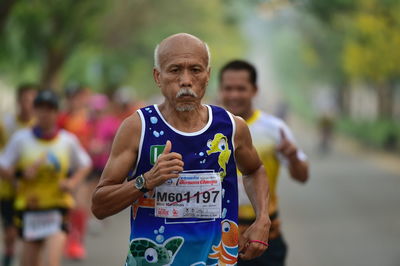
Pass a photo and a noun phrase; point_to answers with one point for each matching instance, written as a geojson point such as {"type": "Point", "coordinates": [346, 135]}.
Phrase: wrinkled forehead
{"type": "Point", "coordinates": [183, 53]}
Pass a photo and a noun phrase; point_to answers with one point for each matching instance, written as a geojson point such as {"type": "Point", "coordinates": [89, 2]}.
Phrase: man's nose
{"type": "Point", "coordinates": [185, 79]}
{"type": "Point", "coordinates": [235, 95]}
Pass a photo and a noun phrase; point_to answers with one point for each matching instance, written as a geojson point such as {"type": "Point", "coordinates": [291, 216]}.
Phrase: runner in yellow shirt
{"type": "Point", "coordinates": [10, 123]}
{"type": "Point", "coordinates": [275, 145]}
{"type": "Point", "coordinates": [41, 158]}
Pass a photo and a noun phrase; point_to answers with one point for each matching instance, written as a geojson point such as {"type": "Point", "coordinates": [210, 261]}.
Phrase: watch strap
{"type": "Point", "coordinates": [143, 189]}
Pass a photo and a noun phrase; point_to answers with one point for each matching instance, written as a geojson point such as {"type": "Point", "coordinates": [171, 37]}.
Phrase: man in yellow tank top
{"type": "Point", "coordinates": [39, 159]}
{"type": "Point", "coordinates": [275, 145]}
{"type": "Point", "coordinates": [9, 123]}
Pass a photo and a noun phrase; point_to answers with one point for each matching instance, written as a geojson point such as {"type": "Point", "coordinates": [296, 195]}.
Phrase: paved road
{"type": "Point", "coordinates": [110, 247]}
{"type": "Point", "coordinates": [348, 214]}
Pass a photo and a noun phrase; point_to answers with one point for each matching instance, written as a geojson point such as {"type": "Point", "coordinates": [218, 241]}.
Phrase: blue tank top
{"type": "Point", "coordinates": [186, 241]}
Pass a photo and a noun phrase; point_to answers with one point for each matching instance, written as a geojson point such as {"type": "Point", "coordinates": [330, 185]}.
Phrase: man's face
{"type": "Point", "coordinates": [78, 100]}
{"type": "Point", "coordinates": [25, 101]}
{"type": "Point", "coordinates": [236, 91]}
{"type": "Point", "coordinates": [183, 77]}
{"type": "Point", "coordinates": [46, 116]}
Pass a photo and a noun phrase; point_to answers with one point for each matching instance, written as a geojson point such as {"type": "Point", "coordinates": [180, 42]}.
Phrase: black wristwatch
{"type": "Point", "coordinates": [140, 183]}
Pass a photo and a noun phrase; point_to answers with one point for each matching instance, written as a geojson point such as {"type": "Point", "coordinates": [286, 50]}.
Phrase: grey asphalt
{"type": "Point", "coordinates": [109, 246]}
{"type": "Point", "coordinates": [347, 214]}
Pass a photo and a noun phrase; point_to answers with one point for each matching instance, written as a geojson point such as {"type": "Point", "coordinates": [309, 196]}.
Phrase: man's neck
{"type": "Point", "coordinates": [46, 133]}
{"type": "Point", "coordinates": [186, 121]}
{"type": "Point", "coordinates": [247, 114]}
{"type": "Point", "coordinates": [24, 117]}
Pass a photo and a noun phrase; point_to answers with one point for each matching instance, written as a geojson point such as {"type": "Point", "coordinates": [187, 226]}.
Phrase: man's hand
{"type": "Point", "coordinates": [31, 171]}
{"type": "Point", "coordinates": [259, 230]}
{"type": "Point", "coordinates": [287, 148]}
{"type": "Point", "coordinates": [298, 169]}
{"type": "Point", "coordinates": [168, 166]}
{"type": "Point", "coordinates": [66, 185]}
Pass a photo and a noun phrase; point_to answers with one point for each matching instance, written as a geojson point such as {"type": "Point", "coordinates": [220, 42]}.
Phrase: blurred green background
{"type": "Point", "coordinates": [347, 49]}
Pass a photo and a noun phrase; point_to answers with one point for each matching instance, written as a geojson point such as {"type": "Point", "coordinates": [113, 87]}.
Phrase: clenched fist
{"type": "Point", "coordinates": [169, 165]}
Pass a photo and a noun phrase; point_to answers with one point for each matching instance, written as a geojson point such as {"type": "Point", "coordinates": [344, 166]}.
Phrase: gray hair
{"type": "Point", "coordinates": [157, 56]}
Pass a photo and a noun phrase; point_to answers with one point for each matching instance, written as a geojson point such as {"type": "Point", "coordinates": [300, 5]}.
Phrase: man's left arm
{"type": "Point", "coordinates": [9, 157]}
{"type": "Point", "coordinates": [297, 164]}
{"type": "Point", "coordinates": [256, 186]}
{"type": "Point", "coordinates": [80, 163]}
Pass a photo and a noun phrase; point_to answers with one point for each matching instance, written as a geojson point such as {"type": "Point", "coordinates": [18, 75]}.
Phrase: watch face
{"type": "Point", "coordinates": [139, 182]}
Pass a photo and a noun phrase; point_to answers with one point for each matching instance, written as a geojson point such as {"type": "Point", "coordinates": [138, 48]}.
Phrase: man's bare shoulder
{"type": "Point", "coordinates": [132, 123]}
{"type": "Point", "coordinates": [128, 134]}
{"type": "Point", "coordinates": [241, 126]}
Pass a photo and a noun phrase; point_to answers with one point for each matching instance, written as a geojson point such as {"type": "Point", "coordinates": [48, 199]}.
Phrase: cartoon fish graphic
{"type": "Point", "coordinates": [229, 239]}
{"type": "Point", "coordinates": [145, 251]}
{"type": "Point", "coordinates": [220, 144]}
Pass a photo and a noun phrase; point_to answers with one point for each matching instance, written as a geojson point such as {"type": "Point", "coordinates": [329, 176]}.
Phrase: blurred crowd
{"type": "Point", "coordinates": [93, 119]}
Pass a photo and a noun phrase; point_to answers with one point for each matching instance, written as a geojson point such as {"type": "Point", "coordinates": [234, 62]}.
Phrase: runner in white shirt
{"type": "Point", "coordinates": [41, 158]}
{"type": "Point", "coordinates": [275, 145]}
{"type": "Point", "coordinates": [10, 123]}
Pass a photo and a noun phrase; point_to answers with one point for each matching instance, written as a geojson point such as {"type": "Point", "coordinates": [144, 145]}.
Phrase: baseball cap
{"type": "Point", "coordinates": [46, 97]}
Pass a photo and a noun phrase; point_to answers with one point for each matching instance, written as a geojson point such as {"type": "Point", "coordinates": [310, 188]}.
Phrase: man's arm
{"type": "Point", "coordinates": [298, 170]}
{"type": "Point", "coordinates": [9, 157]}
{"type": "Point", "coordinates": [256, 186]}
{"type": "Point", "coordinates": [6, 173]}
{"type": "Point", "coordinates": [298, 167]}
{"type": "Point", "coordinates": [81, 165]}
{"type": "Point", "coordinates": [112, 195]}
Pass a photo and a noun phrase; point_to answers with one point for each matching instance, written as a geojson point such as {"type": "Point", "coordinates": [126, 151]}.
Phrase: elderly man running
{"type": "Point", "coordinates": [182, 157]}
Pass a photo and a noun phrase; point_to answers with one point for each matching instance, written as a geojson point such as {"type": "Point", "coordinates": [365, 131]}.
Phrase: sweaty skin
{"type": "Point", "coordinates": [183, 64]}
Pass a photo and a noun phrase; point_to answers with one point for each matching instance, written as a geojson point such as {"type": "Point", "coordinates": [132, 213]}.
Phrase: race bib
{"type": "Point", "coordinates": [191, 195]}
{"type": "Point", "coordinates": [39, 225]}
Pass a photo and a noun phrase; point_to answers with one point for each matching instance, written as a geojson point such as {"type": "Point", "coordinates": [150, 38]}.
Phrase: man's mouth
{"type": "Point", "coordinates": [186, 96]}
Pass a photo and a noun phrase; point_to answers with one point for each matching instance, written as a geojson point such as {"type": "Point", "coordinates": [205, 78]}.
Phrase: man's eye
{"type": "Point", "coordinates": [196, 70]}
{"type": "Point", "coordinates": [173, 70]}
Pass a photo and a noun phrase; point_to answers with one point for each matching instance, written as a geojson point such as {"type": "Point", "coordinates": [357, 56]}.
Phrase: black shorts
{"type": "Point", "coordinates": [275, 255]}
{"type": "Point", "coordinates": [7, 212]}
{"type": "Point", "coordinates": [19, 221]}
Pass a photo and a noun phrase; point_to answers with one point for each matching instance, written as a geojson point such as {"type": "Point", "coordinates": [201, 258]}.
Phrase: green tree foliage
{"type": "Point", "coordinates": [371, 51]}
{"type": "Point", "coordinates": [364, 35]}
{"type": "Point", "coordinates": [108, 43]}
{"type": "Point", "coordinates": [41, 35]}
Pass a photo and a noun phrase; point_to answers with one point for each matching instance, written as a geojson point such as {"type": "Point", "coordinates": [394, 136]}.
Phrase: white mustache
{"type": "Point", "coordinates": [185, 92]}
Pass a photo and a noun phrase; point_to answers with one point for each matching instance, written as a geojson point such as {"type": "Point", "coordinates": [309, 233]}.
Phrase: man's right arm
{"type": "Point", "coordinates": [9, 157]}
{"type": "Point", "coordinates": [112, 194]}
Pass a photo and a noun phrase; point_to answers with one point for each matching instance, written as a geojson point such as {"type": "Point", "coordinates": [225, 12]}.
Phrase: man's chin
{"type": "Point", "coordinates": [235, 110]}
{"type": "Point", "coordinates": [185, 107]}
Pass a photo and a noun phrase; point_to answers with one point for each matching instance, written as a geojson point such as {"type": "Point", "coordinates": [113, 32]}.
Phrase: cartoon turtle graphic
{"type": "Point", "coordinates": [145, 251]}
{"type": "Point", "coordinates": [220, 144]}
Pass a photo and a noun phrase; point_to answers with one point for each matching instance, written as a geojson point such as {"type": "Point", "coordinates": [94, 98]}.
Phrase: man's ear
{"type": "Point", "coordinates": [156, 76]}
{"type": "Point", "coordinates": [255, 89]}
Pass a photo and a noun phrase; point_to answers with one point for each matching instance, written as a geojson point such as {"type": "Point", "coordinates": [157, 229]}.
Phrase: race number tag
{"type": "Point", "coordinates": [191, 195]}
{"type": "Point", "coordinates": [39, 225]}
